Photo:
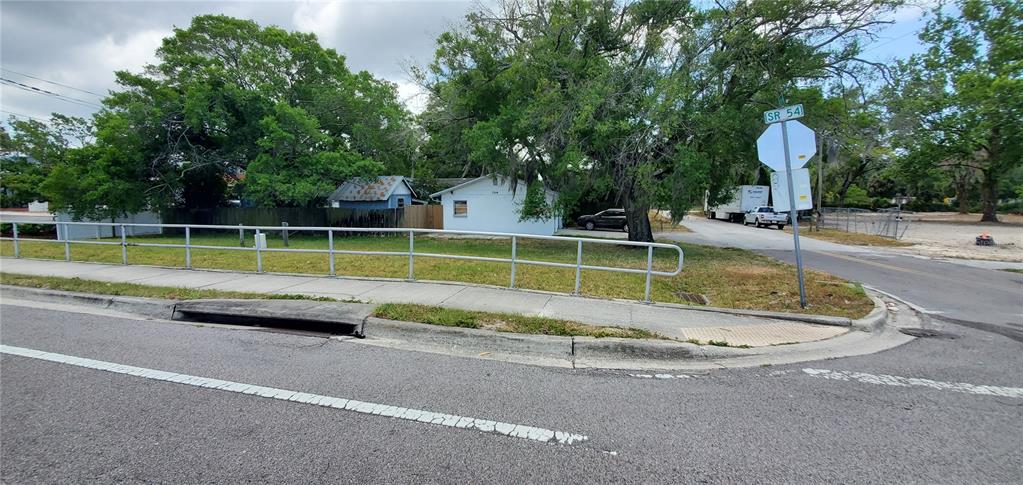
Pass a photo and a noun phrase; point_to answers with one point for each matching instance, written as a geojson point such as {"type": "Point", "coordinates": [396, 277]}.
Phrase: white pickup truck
{"type": "Point", "coordinates": [765, 216]}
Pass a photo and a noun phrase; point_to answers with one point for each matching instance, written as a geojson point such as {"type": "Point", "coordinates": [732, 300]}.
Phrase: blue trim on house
{"type": "Point", "coordinates": [390, 203]}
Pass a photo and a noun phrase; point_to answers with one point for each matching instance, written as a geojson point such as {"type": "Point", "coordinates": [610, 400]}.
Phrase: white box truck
{"type": "Point", "coordinates": [744, 198]}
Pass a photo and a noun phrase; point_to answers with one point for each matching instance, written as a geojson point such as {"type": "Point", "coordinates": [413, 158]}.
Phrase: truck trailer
{"type": "Point", "coordinates": [745, 198]}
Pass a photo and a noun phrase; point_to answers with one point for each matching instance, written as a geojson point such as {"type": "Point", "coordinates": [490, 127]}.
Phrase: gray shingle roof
{"type": "Point", "coordinates": [371, 189]}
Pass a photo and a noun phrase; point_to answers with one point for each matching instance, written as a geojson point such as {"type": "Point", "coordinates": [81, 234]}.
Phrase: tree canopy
{"type": "Point", "coordinates": [657, 102]}
{"type": "Point", "coordinates": [230, 100]}
{"type": "Point", "coordinates": [636, 104]}
{"type": "Point", "coordinates": [959, 105]}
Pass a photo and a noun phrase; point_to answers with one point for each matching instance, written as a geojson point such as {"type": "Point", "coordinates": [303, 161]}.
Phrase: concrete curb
{"type": "Point", "coordinates": [607, 349]}
{"type": "Point", "coordinates": [470, 340]}
{"type": "Point", "coordinates": [542, 349]}
{"type": "Point", "coordinates": [876, 319]}
{"type": "Point", "coordinates": [465, 341]}
{"type": "Point", "coordinates": [588, 349]}
{"type": "Point", "coordinates": [150, 307]}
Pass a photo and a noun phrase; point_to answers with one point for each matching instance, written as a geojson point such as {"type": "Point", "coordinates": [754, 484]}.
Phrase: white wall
{"type": "Point", "coordinates": [492, 208]}
{"type": "Point", "coordinates": [75, 232]}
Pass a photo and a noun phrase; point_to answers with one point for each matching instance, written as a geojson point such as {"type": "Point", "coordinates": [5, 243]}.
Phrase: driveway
{"type": "Point", "coordinates": [726, 234]}
{"type": "Point", "coordinates": [597, 233]}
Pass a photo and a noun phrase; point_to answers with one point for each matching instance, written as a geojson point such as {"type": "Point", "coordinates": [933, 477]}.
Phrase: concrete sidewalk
{"type": "Point", "coordinates": [671, 321]}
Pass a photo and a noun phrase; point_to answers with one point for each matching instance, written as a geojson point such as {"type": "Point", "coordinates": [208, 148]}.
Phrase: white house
{"type": "Point", "coordinates": [487, 204]}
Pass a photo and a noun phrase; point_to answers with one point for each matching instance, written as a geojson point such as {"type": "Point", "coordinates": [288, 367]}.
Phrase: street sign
{"type": "Point", "coordinates": [786, 146]}
{"type": "Point", "coordinates": [802, 145]}
{"type": "Point", "coordinates": [783, 114]}
{"type": "Point", "coordinates": [780, 190]}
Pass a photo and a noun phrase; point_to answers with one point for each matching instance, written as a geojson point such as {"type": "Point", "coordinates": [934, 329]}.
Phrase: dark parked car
{"type": "Point", "coordinates": [606, 219]}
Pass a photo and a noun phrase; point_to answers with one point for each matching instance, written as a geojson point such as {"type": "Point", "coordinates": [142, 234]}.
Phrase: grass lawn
{"type": "Point", "coordinates": [850, 238]}
{"type": "Point", "coordinates": [731, 278]}
{"type": "Point", "coordinates": [502, 322]}
{"type": "Point", "coordinates": [132, 289]}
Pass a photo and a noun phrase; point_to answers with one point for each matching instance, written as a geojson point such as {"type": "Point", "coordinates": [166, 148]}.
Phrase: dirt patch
{"type": "Point", "coordinates": [748, 270]}
{"type": "Point", "coordinates": [1006, 219]}
{"type": "Point", "coordinates": [954, 239]}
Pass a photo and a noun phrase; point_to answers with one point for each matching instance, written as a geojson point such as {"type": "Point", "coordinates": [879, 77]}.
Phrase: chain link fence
{"type": "Point", "coordinates": [891, 223]}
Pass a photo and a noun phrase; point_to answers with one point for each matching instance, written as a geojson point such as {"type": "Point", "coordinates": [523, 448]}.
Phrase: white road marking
{"type": "Point", "coordinates": [913, 381]}
{"type": "Point", "coordinates": [450, 420]}
{"type": "Point", "coordinates": [662, 376]}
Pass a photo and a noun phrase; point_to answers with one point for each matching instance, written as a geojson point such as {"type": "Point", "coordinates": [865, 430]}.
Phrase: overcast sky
{"type": "Point", "coordinates": [80, 44]}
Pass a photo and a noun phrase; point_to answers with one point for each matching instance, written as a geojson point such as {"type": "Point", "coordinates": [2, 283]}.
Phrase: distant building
{"type": "Point", "coordinates": [384, 192]}
{"type": "Point", "coordinates": [487, 204]}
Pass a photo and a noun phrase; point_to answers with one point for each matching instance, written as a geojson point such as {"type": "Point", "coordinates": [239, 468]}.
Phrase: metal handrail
{"type": "Point", "coordinates": [331, 251]}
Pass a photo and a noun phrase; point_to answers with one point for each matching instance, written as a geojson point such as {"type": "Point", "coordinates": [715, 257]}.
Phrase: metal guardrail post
{"type": "Point", "coordinates": [578, 266]}
{"type": "Point", "coordinates": [411, 259]}
{"type": "Point", "coordinates": [512, 285]}
{"type": "Point", "coordinates": [259, 254]}
{"type": "Point", "coordinates": [649, 270]}
{"type": "Point", "coordinates": [188, 247]}
{"type": "Point", "coordinates": [124, 246]}
{"type": "Point", "coordinates": [330, 241]}
{"type": "Point", "coordinates": [241, 236]}
{"type": "Point", "coordinates": [17, 248]}
{"type": "Point", "coordinates": [67, 244]}
{"type": "Point", "coordinates": [284, 233]}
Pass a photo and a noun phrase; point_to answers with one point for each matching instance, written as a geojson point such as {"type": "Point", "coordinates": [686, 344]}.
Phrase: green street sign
{"type": "Point", "coordinates": [783, 114]}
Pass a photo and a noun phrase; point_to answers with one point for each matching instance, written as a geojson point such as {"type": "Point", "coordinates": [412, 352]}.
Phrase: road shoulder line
{"type": "Point", "coordinates": [450, 420]}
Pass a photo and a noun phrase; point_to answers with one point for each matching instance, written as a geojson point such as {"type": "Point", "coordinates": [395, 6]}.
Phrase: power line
{"type": "Point", "coordinates": [875, 46]}
{"type": "Point", "coordinates": [52, 82]}
{"type": "Point", "coordinates": [62, 97]}
{"type": "Point", "coordinates": [19, 115]}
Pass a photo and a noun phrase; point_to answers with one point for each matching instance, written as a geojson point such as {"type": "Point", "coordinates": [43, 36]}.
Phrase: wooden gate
{"type": "Point", "coordinates": [424, 216]}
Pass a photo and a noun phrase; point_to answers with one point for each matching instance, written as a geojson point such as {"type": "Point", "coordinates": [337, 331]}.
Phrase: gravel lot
{"type": "Point", "coordinates": [953, 235]}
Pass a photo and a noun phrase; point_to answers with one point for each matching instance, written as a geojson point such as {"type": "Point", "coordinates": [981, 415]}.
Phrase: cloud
{"type": "Point", "coordinates": [82, 43]}
{"type": "Point", "coordinates": [320, 18]}
{"type": "Point", "coordinates": [412, 96]}
{"type": "Point", "coordinates": [110, 54]}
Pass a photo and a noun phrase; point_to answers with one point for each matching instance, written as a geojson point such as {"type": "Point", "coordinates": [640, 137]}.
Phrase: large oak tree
{"type": "Point", "coordinates": [228, 97]}
{"type": "Point", "coordinates": [656, 102]}
{"type": "Point", "coordinates": [959, 105]}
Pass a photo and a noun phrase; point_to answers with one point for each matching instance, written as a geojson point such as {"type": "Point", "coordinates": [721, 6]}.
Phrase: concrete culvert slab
{"type": "Point", "coordinates": [328, 317]}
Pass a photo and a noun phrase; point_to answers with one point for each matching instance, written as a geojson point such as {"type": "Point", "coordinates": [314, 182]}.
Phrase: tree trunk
{"type": "Point", "coordinates": [962, 198]}
{"type": "Point", "coordinates": [989, 197]}
{"type": "Point", "coordinates": [841, 194]}
{"type": "Point", "coordinates": [962, 178]}
{"type": "Point", "coordinates": [637, 217]}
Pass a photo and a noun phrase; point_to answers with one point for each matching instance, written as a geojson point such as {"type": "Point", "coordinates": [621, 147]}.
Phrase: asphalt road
{"type": "Point", "coordinates": [966, 295]}
{"type": "Point", "coordinates": [68, 424]}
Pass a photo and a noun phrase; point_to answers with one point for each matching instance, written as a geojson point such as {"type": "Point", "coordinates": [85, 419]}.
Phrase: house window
{"type": "Point", "coordinates": [401, 202]}
{"type": "Point", "coordinates": [461, 208]}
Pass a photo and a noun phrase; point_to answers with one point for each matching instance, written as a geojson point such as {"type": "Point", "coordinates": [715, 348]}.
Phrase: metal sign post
{"type": "Point", "coordinates": [793, 214]}
{"type": "Point", "coordinates": [803, 146]}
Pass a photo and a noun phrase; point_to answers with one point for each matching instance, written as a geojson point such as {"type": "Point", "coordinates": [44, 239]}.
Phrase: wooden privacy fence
{"type": "Point", "coordinates": [416, 216]}
{"type": "Point", "coordinates": [424, 216]}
